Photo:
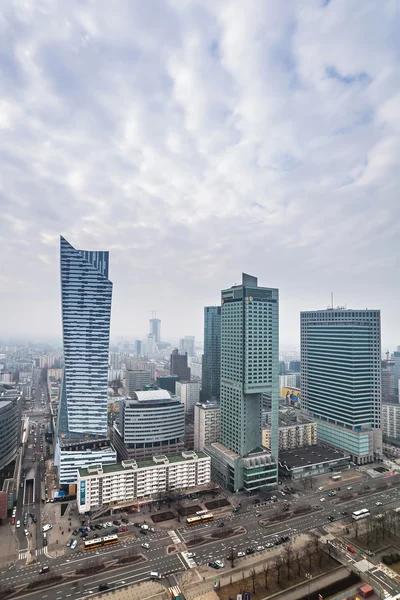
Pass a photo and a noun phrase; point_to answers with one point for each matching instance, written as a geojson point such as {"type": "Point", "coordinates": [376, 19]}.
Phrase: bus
{"type": "Point", "coordinates": [201, 512]}
{"type": "Point", "coordinates": [203, 518]}
{"type": "Point", "coordinates": [360, 514]}
{"type": "Point", "coordinates": [101, 541]}
{"type": "Point", "coordinates": [397, 510]}
{"type": "Point", "coordinates": [336, 477]}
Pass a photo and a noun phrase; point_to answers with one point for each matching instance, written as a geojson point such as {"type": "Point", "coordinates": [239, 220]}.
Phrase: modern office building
{"type": "Point", "coordinates": [167, 382]}
{"type": "Point", "coordinates": [10, 426]}
{"type": "Point", "coordinates": [155, 329]}
{"type": "Point", "coordinates": [211, 372]}
{"type": "Point", "coordinates": [86, 295]}
{"type": "Point", "coordinates": [207, 425]}
{"type": "Point", "coordinates": [187, 345]}
{"type": "Point", "coordinates": [179, 365]}
{"type": "Point", "coordinates": [341, 379]}
{"type": "Point", "coordinates": [70, 457]}
{"type": "Point", "coordinates": [189, 393]}
{"type": "Point", "coordinates": [138, 348]}
{"type": "Point", "coordinates": [249, 369]}
{"type": "Point", "coordinates": [150, 422]}
{"type": "Point", "coordinates": [132, 481]}
{"type": "Point", "coordinates": [137, 379]}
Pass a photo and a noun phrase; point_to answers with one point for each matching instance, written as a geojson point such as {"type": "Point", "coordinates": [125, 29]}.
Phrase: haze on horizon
{"type": "Point", "coordinates": [196, 140]}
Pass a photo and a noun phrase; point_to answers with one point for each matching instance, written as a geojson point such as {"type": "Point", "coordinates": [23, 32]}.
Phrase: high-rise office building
{"type": "Point", "coordinates": [179, 365]}
{"type": "Point", "coordinates": [138, 348]}
{"type": "Point", "coordinates": [86, 295]}
{"type": "Point", "coordinates": [155, 329]}
{"type": "Point", "coordinates": [137, 379]}
{"type": "Point", "coordinates": [189, 393]}
{"type": "Point", "coordinates": [249, 369]}
{"type": "Point", "coordinates": [187, 344]}
{"type": "Point", "coordinates": [341, 378]}
{"type": "Point", "coordinates": [211, 371]}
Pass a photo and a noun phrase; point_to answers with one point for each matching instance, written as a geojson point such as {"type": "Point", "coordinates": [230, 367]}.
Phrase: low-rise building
{"type": "Point", "coordinates": [207, 425]}
{"type": "Point", "coordinates": [131, 480]}
{"type": "Point", "coordinates": [71, 456]}
{"type": "Point", "coordinates": [303, 463]}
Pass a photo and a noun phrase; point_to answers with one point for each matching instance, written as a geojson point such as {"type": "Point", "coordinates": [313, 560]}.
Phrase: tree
{"type": "Point", "coordinates": [266, 570]}
{"type": "Point", "coordinates": [232, 557]}
{"type": "Point", "coordinates": [309, 551]}
{"type": "Point", "coordinates": [356, 528]}
{"type": "Point", "coordinates": [288, 558]}
{"type": "Point", "coordinates": [116, 385]}
{"type": "Point", "coordinates": [253, 575]}
{"type": "Point", "coordinates": [298, 555]}
{"type": "Point", "coordinates": [278, 564]}
{"type": "Point", "coordinates": [242, 585]}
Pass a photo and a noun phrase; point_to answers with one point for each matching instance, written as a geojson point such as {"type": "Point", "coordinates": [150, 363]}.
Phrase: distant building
{"type": "Point", "coordinates": [179, 365]}
{"type": "Point", "coordinates": [189, 393]}
{"type": "Point", "coordinates": [72, 456]}
{"type": "Point", "coordinates": [341, 379]}
{"type": "Point", "coordinates": [196, 367]}
{"type": "Point", "coordinates": [155, 329]}
{"type": "Point", "coordinates": [294, 365]}
{"type": "Point", "coordinates": [167, 382]}
{"type": "Point", "coordinates": [207, 425]}
{"type": "Point", "coordinates": [10, 425]}
{"type": "Point", "coordinates": [132, 481]}
{"type": "Point", "coordinates": [150, 422]}
{"type": "Point", "coordinates": [137, 380]}
{"type": "Point", "coordinates": [211, 373]}
{"type": "Point", "coordinates": [287, 381]}
{"type": "Point", "coordinates": [391, 420]}
{"type": "Point", "coordinates": [138, 348]}
{"type": "Point", "coordinates": [187, 345]}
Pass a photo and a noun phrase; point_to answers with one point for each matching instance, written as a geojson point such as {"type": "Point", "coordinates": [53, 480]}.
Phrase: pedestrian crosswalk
{"type": "Point", "coordinates": [24, 554]}
{"type": "Point", "coordinates": [174, 537]}
{"type": "Point", "coordinates": [175, 591]}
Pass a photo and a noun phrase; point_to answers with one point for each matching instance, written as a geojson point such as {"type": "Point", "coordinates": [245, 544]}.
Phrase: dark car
{"type": "Point", "coordinates": [44, 541]}
{"type": "Point", "coordinates": [221, 524]}
{"type": "Point", "coordinates": [103, 587]}
{"type": "Point", "coordinates": [249, 551]}
{"type": "Point", "coordinates": [117, 523]}
{"type": "Point", "coordinates": [331, 518]}
{"type": "Point", "coordinates": [213, 565]}
{"type": "Point", "coordinates": [256, 501]}
{"type": "Point", "coordinates": [75, 532]}
{"type": "Point", "coordinates": [114, 530]}
{"type": "Point", "coordinates": [98, 526]}
{"type": "Point", "coordinates": [95, 535]}
{"type": "Point", "coordinates": [143, 531]}
{"type": "Point", "coordinates": [125, 521]}
{"type": "Point", "coordinates": [137, 524]}
{"type": "Point", "coordinates": [345, 513]}
{"type": "Point", "coordinates": [284, 538]}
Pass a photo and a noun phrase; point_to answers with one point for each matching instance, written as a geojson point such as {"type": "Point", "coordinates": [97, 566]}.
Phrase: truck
{"type": "Point", "coordinates": [286, 506]}
{"type": "Point", "coordinates": [332, 493]}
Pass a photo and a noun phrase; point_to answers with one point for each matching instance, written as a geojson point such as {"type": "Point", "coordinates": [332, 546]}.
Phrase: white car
{"type": "Point", "coordinates": [320, 489]}
{"type": "Point", "coordinates": [322, 499]}
{"type": "Point", "coordinates": [349, 487]}
{"type": "Point", "coordinates": [18, 524]}
{"type": "Point", "coordinates": [109, 524]}
{"type": "Point", "coordinates": [47, 527]}
{"type": "Point", "coordinates": [378, 504]}
{"type": "Point", "coordinates": [260, 548]}
{"type": "Point", "coordinates": [26, 532]}
{"type": "Point", "coordinates": [146, 545]}
{"type": "Point", "coordinates": [74, 544]}
{"type": "Point", "coordinates": [191, 554]}
{"type": "Point", "coordinates": [144, 526]}
{"type": "Point", "coordinates": [219, 564]}
{"type": "Point", "coordinates": [240, 554]}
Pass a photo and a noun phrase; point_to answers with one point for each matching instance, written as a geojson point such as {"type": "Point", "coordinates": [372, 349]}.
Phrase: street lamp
{"type": "Point", "coordinates": [308, 576]}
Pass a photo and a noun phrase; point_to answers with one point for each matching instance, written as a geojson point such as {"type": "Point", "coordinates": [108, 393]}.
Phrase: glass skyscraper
{"type": "Point", "coordinates": [211, 369]}
{"type": "Point", "coordinates": [341, 378]}
{"type": "Point", "coordinates": [86, 294]}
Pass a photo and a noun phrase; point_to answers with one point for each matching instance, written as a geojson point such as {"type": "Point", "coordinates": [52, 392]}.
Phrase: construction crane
{"type": "Point", "coordinates": [154, 313]}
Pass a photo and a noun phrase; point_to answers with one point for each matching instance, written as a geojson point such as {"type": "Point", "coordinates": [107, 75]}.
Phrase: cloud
{"type": "Point", "coordinates": [195, 140]}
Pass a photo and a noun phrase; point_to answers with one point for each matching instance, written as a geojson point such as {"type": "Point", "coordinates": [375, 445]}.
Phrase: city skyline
{"type": "Point", "coordinates": [273, 124]}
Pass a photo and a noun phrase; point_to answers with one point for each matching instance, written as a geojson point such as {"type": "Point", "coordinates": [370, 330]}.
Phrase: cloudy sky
{"type": "Point", "coordinates": [196, 140]}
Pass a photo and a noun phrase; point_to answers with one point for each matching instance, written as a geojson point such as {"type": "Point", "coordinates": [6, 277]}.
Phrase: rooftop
{"type": "Point", "coordinates": [302, 457]}
{"type": "Point", "coordinates": [151, 395]}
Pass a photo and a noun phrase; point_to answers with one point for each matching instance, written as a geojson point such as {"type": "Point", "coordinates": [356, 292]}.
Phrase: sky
{"type": "Point", "coordinates": [195, 140]}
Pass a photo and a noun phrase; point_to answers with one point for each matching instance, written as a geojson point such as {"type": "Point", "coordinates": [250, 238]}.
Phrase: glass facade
{"type": "Point", "coordinates": [249, 364]}
{"type": "Point", "coordinates": [86, 294]}
{"type": "Point", "coordinates": [211, 373]}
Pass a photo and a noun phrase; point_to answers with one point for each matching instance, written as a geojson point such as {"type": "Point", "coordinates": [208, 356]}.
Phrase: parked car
{"type": "Point", "coordinates": [69, 543]}
{"type": "Point", "coordinates": [260, 548]}
{"type": "Point", "coordinates": [126, 521]}
{"type": "Point", "coordinates": [191, 554]}
{"type": "Point", "coordinates": [75, 532]}
{"type": "Point", "coordinates": [74, 544]}
{"type": "Point", "coordinates": [116, 530]}
{"type": "Point", "coordinates": [123, 529]}
{"type": "Point", "coordinates": [18, 524]}
{"type": "Point", "coordinates": [221, 524]}
{"type": "Point", "coordinates": [143, 532]}
{"type": "Point", "coordinates": [240, 554]}
{"type": "Point", "coordinates": [249, 551]}
{"type": "Point", "coordinates": [44, 541]}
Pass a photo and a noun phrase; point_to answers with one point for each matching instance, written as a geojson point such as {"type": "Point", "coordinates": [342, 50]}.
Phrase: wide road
{"type": "Point", "coordinates": [158, 559]}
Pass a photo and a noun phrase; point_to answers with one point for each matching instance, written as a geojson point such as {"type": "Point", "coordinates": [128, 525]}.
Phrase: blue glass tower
{"type": "Point", "coordinates": [86, 294]}
{"type": "Point", "coordinates": [211, 370]}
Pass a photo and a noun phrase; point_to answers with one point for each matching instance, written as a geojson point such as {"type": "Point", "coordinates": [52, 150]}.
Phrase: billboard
{"type": "Point", "coordinates": [292, 396]}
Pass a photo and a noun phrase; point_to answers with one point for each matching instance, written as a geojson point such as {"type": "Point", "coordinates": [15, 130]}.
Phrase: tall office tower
{"type": "Point", "coordinates": [138, 348]}
{"type": "Point", "coordinates": [341, 378]}
{"type": "Point", "coordinates": [211, 372]}
{"type": "Point", "coordinates": [86, 295]}
{"type": "Point", "coordinates": [187, 344]}
{"type": "Point", "coordinates": [137, 379]}
{"type": "Point", "coordinates": [179, 365]}
{"type": "Point", "coordinates": [155, 329]}
{"type": "Point", "coordinates": [249, 369]}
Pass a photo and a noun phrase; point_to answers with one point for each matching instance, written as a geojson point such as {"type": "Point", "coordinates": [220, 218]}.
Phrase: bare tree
{"type": "Point", "coordinates": [232, 557]}
{"type": "Point", "coordinates": [356, 526]}
{"type": "Point", "coordinates": [278, 564]}
{"type": "Point", "coordinates": [266, 571]}
{"type": "Point", "coordinates": [242, 585]}
{"type": "Point", "coordinates": [253, 575]}
{"type": "Point", "coordinates": [288, 558]}
{"type": "Point", "coordinates": [298, 555]}
{"type": "Point", "coordinates": [309, 551]}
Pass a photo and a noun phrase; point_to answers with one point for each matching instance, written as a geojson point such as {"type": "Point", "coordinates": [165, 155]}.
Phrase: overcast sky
{"type": "Point", "coordinates": [196, 140]}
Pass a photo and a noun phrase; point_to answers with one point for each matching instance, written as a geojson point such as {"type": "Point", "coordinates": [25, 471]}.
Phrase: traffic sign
{"type": "Point", "coordinates": [246, 596]}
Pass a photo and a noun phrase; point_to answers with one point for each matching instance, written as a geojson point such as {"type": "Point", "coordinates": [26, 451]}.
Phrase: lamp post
{"type": "Point", "coordinates": [309, 577]}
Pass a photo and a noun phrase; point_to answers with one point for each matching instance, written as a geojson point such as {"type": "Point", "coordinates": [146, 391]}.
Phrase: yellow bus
{"type": "Point", "coordinates": [207, 517]}
{"type": "Point", "coordinates": [193, 520]}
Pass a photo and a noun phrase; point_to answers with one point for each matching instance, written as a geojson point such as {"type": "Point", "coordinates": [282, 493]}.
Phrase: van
{"type": "Point", "coordinates": [155, 575]}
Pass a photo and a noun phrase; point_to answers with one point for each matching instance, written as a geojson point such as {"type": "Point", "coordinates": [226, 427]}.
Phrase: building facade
{"type": "Point", "coordinates": [10, 425]}
{"type": "Point", "coordinates": [189, 393]}
{"type": "Point", "coordinates": [137, 380]}
{"type": "Point", "coordinates": [298, 435]}
{"type": "Point", "coordinates": [211, 373]}
{"type": "Point", "coordinates": [179, 365]}
{"type": "Point", "coordinates": [391, 420]}
{"type": "Point", "coordinates": [341, 379]}
{"type": "Point", "coordinates": [155, 329]}
{"type": "Point", "coordinates": [249, 369]}
{"type": "Point", "coordinates": [78, 455]}
{"type": "Point", "coordinates": [86, 295]}
{"type": "Point", "coordinates": [207, 425]}
{"type": "Point", "coordinates": [134, 481]}
{"type": "Point", "coordinates": [151, 422]}
{"type": "Point", "coordinates": [167, 382]}
{"type": "Point", "coordinates": [187, 345]}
